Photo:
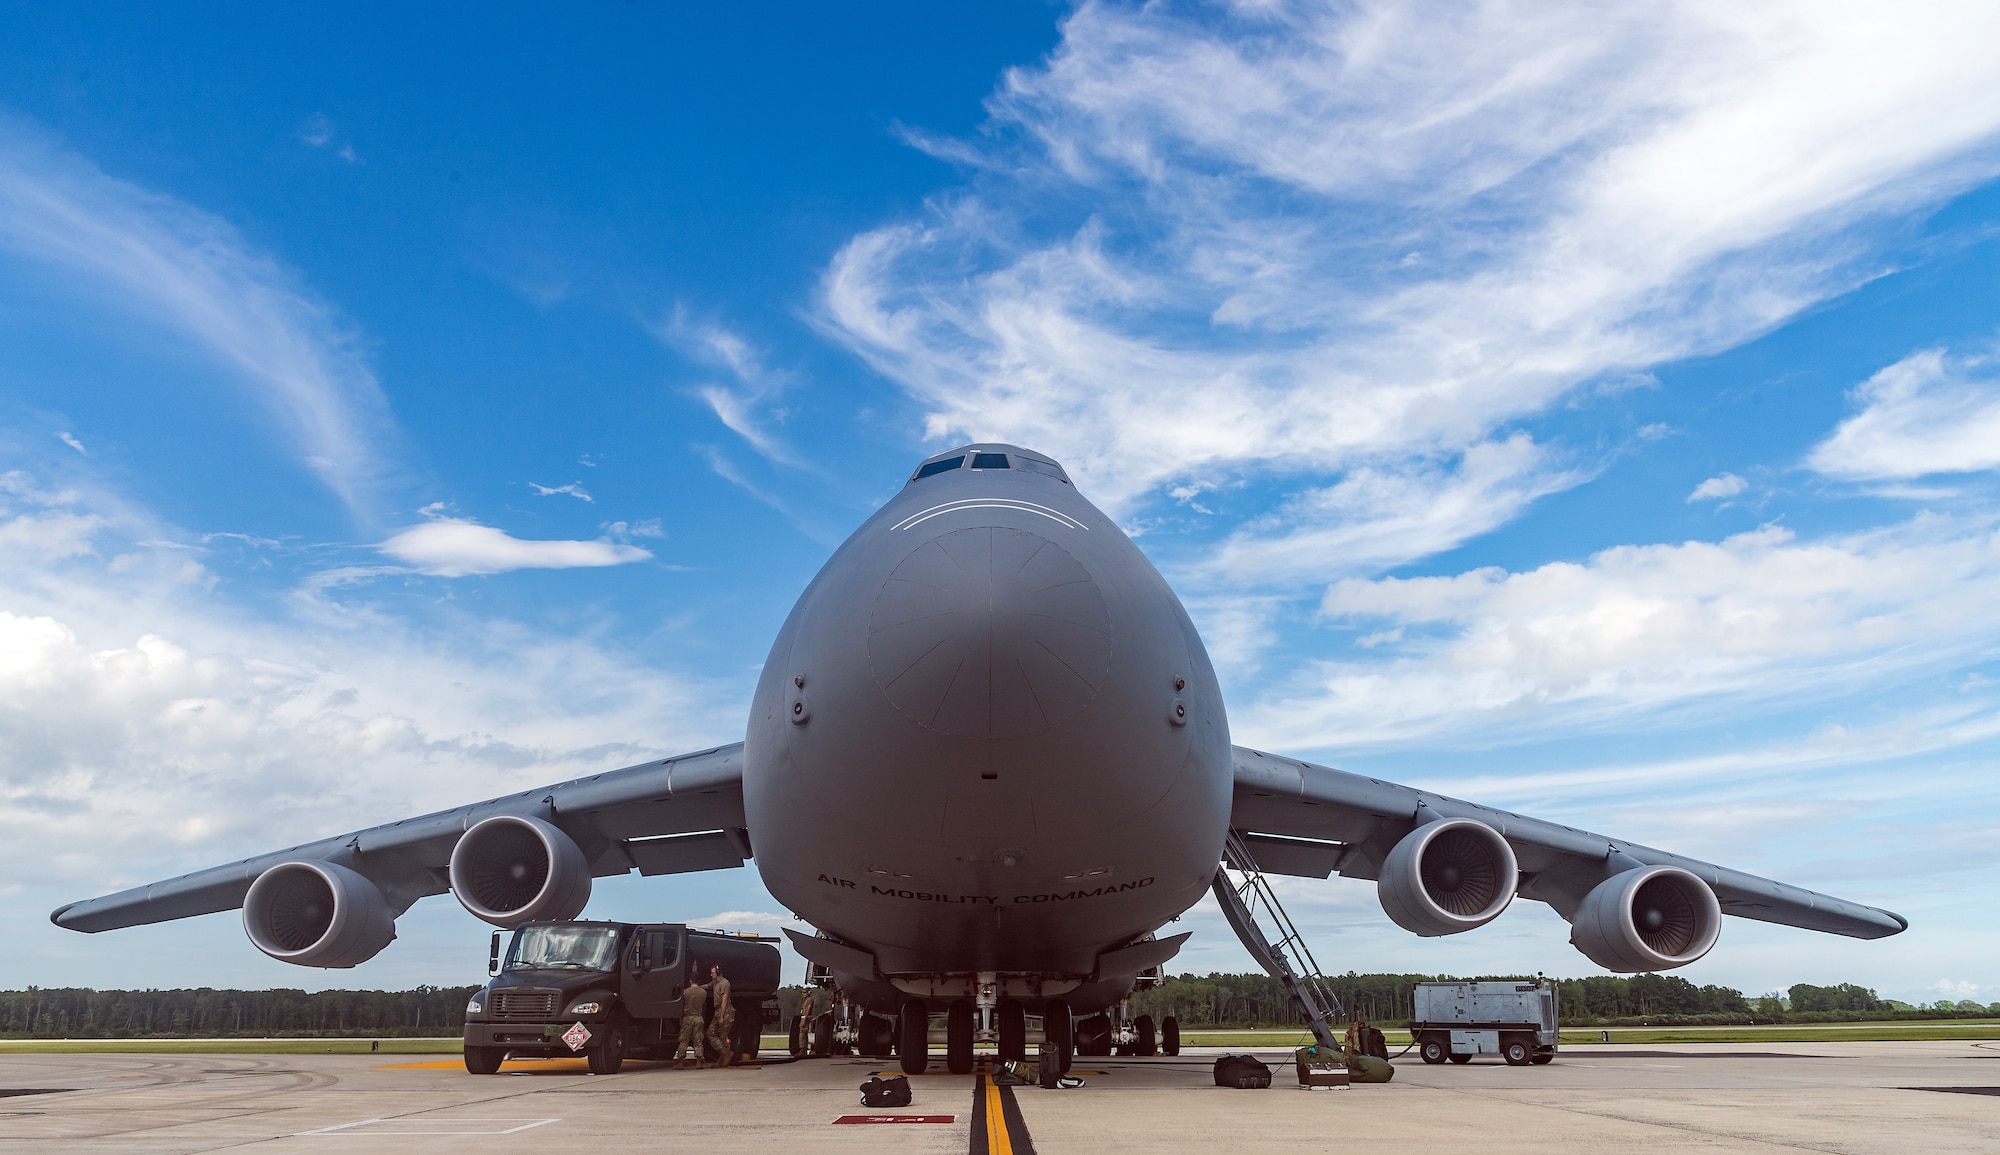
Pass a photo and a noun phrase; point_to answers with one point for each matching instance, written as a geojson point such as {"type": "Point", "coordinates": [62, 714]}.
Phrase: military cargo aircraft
{"type": "Point", "coordinates": [987, 759]}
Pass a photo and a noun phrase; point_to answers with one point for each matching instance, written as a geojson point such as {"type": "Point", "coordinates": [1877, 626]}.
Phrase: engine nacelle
{"type": "Point", "coordinates": [512, 869]}
{"type": "Point", "coordinates": [1650, 919]}
{"type": "Point", "coordinates": [1448, 876]}
{"type": "Point", "coordinates": [317, 914]}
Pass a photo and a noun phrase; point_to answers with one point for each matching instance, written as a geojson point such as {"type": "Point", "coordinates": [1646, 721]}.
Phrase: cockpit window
{"type": "Point", "coordinates": [1047, 467]}
{"type": "Point", "coordinates": [937, 467]}
{"type": "Point", "coordinates": [989, 461]}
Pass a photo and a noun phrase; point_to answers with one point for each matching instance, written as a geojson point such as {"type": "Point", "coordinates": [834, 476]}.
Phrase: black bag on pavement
{"type": "Point", "coordinates": [1048, 1065]}
{"type": "Point", "coordinates": [880, 1092]}
{"type": "Point", "coordinates": [1243, 1072]}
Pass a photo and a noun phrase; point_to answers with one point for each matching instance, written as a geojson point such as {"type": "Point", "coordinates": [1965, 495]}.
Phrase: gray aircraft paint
{"type": "Point", "coordinates": [988, 738]}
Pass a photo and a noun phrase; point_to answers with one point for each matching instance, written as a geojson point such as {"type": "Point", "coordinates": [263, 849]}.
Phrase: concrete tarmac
{"type": "Point", "coordinates": [1854, 1097]}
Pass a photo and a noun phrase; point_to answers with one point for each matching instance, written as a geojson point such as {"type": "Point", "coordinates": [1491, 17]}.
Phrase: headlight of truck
{"type": "Point", "coordinates": [589, 1008]}
{"type": "Point", "coordinates": [473, 1007]}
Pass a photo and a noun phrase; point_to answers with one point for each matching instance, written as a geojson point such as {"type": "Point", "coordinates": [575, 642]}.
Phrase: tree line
{"type": "Point", "coordinates": [1214, 1000]}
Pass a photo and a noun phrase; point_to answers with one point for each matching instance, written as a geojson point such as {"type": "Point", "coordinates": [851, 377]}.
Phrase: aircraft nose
{"type": "Point", "coordinates": [990, 632]}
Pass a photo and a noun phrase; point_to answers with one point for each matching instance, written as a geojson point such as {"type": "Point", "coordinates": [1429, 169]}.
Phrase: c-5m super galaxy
{"type": "Point", "coordinates": [987, 760]}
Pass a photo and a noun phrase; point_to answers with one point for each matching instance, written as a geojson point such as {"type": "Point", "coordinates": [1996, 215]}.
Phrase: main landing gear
{"type": "Point", "coordinates": [962, 1031]}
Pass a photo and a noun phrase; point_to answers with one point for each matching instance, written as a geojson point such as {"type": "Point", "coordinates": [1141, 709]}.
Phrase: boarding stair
{"type": "Point", "coordinates": [1286, 957]}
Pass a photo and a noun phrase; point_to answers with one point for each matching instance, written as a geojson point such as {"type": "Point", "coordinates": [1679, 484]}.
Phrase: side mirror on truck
{"type": "Point", "coordinates": [493, 956]}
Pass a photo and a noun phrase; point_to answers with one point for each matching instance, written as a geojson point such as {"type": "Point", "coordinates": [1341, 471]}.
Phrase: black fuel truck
{"type": "Point", "coordinates": [606, 990]}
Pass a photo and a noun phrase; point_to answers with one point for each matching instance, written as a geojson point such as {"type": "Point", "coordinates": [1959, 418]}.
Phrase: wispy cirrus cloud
{"type": "Point", "coordinates": [1305, 240]}
{"type": "Point", "coordinates": [460, 547]}
{"type": "Point", "coordinates": [1927, 414]}
{"type": "Point", "coordinates": [573, 489]}
{"type": "Point", "coordinates": [197, 276]}
{"type": "Point", "coordinates": [745, 402]}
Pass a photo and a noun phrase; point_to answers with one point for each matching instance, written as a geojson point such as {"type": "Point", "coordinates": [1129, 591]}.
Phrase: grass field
{"type": "Point", "coordinates": [1975, 1030]}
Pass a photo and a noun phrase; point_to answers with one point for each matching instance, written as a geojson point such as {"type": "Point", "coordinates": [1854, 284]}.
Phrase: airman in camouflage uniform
{"type": "Point", "coordinates": [694, 1001]}
{"type": "Point", "coordinates": [721, 1024]}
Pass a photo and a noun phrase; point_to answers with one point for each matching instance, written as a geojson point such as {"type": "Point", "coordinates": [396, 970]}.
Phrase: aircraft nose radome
{"type": "Point", "coordinates": [990, 632]}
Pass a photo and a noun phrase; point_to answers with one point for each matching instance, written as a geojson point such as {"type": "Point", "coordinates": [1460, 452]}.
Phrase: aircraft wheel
{"type": "Point", "coordinates": [1092, 1036]}
{"type": "Point", "coordinates": [1056, 1029]}
{"type": "Point", "coordinates": [1516, 1052]}
{"type": "Point", "coordinates": [958, 1037]}
{"type": "Point", "coordinates": [1145, 1043]}
{"type": "Point", "coordinates": [1434, 1051]}
{"type": "Point", "coordinates": [1543, 1058]}
{"type": "Point", "coordinates": [1461, 1059]}
{"type": "Point", "coordinates": [1013, 1026]}
{"type": "Point", "coordinates": [1170, 1036]}
{"type": "Point", "coordinates": [798, 1042]}
{"type": "Point", "coordinates": [877, 1037]}
{"type": "Point", "coordinates": [913, 1037]}
{"type": "Point", "coordinates": [484, 1060]}
{"type": "Point", "coordinates": [822, 1039]}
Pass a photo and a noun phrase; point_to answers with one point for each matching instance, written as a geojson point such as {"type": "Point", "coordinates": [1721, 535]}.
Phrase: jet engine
{"type": "Point", "coordinates": [317, 914]}
{"type": "Point", "coordinates": [1448, 876]}
{"type": "Point", "coordinates": [1649, 919]}
{"type": "Point", "coordinates": [512, 869]}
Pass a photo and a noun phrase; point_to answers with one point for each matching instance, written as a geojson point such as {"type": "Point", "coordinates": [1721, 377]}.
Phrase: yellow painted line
{"type": "Point", "coordinates": [997, 1142]}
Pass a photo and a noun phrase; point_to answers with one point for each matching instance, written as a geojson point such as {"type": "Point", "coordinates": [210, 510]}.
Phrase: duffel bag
{"type": "Point", "coordinates": [880, 1092]}
{"type": "Point", "coordinates": [1242, 1072]}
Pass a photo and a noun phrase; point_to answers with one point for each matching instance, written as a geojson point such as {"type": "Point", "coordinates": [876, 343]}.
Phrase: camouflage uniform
{"type": "Point", "coordinates": [694, 1000]}
{"type": "Point", "coordinates": [720, 1024]}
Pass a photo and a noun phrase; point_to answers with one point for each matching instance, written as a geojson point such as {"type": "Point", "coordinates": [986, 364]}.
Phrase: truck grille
{"type": "Point", "coordinates": [524, 1005]}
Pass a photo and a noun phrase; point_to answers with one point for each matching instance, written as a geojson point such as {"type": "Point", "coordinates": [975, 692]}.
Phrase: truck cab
{"type": "Point", "coordinates": [606, 990]}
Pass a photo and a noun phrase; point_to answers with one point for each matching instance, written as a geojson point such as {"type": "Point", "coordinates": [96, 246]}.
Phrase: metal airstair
{"type": "Point", "coordinates": [1286, 958]}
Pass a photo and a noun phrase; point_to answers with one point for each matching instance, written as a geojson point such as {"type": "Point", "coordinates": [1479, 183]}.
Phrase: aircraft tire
{"type": "Point", "coordinates": [958, 1037]}
{"type": "Point", "coordinates": [913, 1030]}
{"type": "Point", "coordinates": [1544, 1058]}
{"type": "Point", "coordinates": [484, 1060]}
{"type": "Point", "coordinates": [1170, 1036]}
{"type": "Point", "coordinates": [1013, 1026]}
{"type": "Point", "coordinates": [1434, 1050]}
{"type": "Point", "coordinates": [1145, 1040]}
{"type": "Point", "coordinates": [1056, 1029]}
{"type": "Point", "coordinates": [1461, 1059]}
{"type": "Point", "coordinates": [822, 1036]}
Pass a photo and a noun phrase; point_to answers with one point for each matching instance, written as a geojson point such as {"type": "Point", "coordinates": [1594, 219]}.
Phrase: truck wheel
{"type": "Point", "coordinates": [484, 1060]}
{"type": "Point", "coordinates": [1145, 1043]}
{"type": "Point", "coordinates": [749, 1037]}
{"type": "Point", "coordinates": [609, 1054]}
{"type": "Point", "coordinates": [1461, 1059]}
{"type": "Point", "coordinates": [913, 1036]}
{"type": "Point", "coordinates": [1013, 1026]}
{"type": "Point", "coordinates": [1516, 1052]}
{"type": "Point", "coordinates": [1170, 1036]}
{"type": "Point", "coordinates": [958, 1037]}
{"type": "Point", "coordinates": [1434, 1050]}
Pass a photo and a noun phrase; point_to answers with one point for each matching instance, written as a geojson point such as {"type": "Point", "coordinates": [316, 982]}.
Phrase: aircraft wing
{"type": "Point", "coordinates": [677, 814]}
{"type": "Point", "coordinates": [1297, 818]}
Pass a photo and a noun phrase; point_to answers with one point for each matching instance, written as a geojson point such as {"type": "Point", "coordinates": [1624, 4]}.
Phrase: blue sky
{"type": "Point", "coordinates": [1587, 411]}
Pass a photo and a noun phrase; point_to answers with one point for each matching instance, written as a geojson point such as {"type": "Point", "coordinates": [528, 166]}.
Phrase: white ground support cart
{"type": "Point", "coordinates": [1515, 1020]}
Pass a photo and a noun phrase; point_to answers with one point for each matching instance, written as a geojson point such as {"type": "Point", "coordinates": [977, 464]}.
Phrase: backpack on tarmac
{"type": "Point", "coordinates": [880, 1092]}
{"type": "Point", "coordinates": [1242, 1072]}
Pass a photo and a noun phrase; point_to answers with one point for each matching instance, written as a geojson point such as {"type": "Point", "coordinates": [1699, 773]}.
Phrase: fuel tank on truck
{"type": "Point", "coordinates": [988, 736]}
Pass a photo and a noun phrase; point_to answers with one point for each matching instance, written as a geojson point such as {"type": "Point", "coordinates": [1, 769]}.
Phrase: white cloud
{"type": "Point", "coordinates": [1183, 247]}
{"type": "Point", "coordinates": [574, 489]}
{"type": "Point", "coordinates": [1928, 413]}
{"type": "Point", "coordinates": [1637, 629]}
{"type": "Point", "coordinates": [70, 440]}
{"type": "Point", "coordinates": [456, 547]}
{"type": "Point", "coordinates": [198, 276]}
{"type": "Point", "coordinates": [746, 405]}
{"type": "Point", "coordinates": [1956, 990]}
{"type": "Point", "coordinates": [143, 701]}
{"type": "Point", "coordinates": [1717, 487]}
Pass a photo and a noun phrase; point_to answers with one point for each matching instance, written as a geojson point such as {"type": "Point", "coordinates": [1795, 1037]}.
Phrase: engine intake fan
{"type": "Point", "coordinates": [1650, 919]}
{"type": "Point", "coordinates": [317, 914]}
{"type": "Point", "coordinates": [1448, 876]}
{"type": "Point", "coordinates": [512, 869]}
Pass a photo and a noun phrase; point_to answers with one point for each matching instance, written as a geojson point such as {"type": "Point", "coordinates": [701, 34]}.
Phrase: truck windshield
{"type": "Point", "coordinates": [590, 948]}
